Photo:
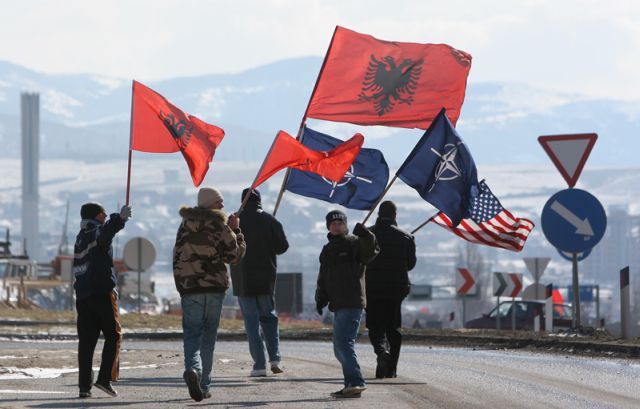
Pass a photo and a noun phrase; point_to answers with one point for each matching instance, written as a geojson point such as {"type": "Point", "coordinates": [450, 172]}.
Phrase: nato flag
{"type": "Point", "coordinates": [360, 187]}
{"type": "Point", "coordinates": [442, 170]}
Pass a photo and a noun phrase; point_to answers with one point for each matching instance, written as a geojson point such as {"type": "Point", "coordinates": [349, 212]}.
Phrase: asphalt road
{"type": "Point", "coordinates": [428, 378]}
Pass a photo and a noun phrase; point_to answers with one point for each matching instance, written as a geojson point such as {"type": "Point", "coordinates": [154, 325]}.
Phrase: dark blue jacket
{"type": "Point", "coordinates": [93, 257]}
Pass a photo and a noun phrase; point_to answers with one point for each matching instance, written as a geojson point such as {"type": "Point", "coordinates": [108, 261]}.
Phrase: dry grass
{"type": "Point", "coordinates": [133, 320]}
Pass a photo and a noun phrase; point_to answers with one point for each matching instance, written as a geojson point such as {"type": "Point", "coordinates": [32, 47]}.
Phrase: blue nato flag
{"type": "Point", "coordinates": [441, 169]}
{"type": "Point", "coordinates": [360, 187]}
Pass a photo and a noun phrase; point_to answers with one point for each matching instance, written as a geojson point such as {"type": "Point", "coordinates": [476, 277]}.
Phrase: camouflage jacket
{"type": "Point", "coordinates": [204, 244]}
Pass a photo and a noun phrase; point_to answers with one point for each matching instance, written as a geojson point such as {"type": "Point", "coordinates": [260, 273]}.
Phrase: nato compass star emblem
{"type": "Point", "coordinates": [447, 168]}
{"type": "Point", "coordinates": [350, 175]}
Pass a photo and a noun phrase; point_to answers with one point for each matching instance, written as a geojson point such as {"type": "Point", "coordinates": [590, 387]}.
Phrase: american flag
{"type": "Point", "coordinates": [489, 223]}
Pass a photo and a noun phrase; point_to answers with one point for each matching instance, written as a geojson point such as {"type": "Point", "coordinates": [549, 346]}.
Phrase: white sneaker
{"type": "Point", "coordinates": [276, 367]}
{"type": "Point", "coordinates": [258, 373]}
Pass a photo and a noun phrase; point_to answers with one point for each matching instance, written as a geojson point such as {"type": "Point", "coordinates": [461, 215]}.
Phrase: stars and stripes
{"type": "Point", "coordinates": [489, 223]}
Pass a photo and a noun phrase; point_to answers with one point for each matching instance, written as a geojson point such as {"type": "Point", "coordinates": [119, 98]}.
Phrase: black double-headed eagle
{"type": "Point", "coordinates": [180, 131]}
{"type": "Point", "coordinates": [386, 82]}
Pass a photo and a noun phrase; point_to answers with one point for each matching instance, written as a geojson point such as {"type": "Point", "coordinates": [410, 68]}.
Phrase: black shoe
{"type": "Point", "coordinates": [84, 394]}
{"type": "Point", "coordinates": [382, 369]}
{"type": "Point", "coordinates": [347, 393]}
{"type": "Point", "coordinates": [105, 386]}
{"type": "Point", "coordinates": [193, 383]}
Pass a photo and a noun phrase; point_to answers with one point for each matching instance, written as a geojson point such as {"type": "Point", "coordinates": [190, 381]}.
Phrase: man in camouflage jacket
{"type": "Point", "coordinates": [206, 240]}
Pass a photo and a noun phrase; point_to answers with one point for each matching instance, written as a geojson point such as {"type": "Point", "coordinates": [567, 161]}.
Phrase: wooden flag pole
{"type": "Point", "coordinates": [303, 122]}
{"type": "Point", "coordinates": [130, 150]}
{"type": "Point", "coordinates": [380, 198]}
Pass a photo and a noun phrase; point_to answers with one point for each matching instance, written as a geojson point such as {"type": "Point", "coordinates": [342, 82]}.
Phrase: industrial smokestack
{"type": "Point", "coordinates": [30, 111]}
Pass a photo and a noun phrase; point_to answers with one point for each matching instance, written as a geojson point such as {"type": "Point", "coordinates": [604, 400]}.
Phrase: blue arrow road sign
{"type": "Point", "coordinates": [573, 220]}
{"type": "Point", "coordinates": [569, 256]}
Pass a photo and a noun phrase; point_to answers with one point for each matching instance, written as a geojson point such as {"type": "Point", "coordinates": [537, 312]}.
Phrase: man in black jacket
{"type": "Point", "coordinates": [254, 281]}
{"type": "Point", "coordinates": [96, 300]}
{"type": "Point", "coordinates": [341, 285]}
{"type": "Point", "coordinates": [387, 285]}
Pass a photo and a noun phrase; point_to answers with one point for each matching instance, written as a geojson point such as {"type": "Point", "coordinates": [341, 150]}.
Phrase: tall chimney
{"type": "Point", "coordinates": [30, 110]}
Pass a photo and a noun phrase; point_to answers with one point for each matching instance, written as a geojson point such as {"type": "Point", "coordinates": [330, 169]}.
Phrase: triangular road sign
{"type": "Point", "coordinates": [569, 153]}
{"type": "Point", "coordinates": [536, 266]}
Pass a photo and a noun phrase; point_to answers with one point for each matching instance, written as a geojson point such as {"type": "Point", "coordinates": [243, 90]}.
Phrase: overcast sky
{"type": "Point", "coordinates": [585, 47]}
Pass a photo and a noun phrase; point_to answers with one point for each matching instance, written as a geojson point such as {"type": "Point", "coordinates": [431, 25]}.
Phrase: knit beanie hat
{"type": "Point", "coordinates": [91, 210]}
{"type": "Point", "coordinates": [335, 215]}
{"type": "Point", "coordinates": [254, 195]}
{"type": "Point", "coordinates": [208, 196]}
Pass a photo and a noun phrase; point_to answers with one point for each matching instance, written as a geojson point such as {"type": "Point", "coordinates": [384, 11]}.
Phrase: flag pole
{"type": "Point", "coordinates": [304, 120]}
{"type": "Point", "coordinates": [130, 143]}
{"type": "Point", "coordinates": [380, 198]}
{"type": "Point", "coordinates": [246, 198]}
{"type": "Point", "coordinates": [422, 225]}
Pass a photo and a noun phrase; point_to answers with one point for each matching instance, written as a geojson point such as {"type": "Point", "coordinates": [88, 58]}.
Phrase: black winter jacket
{"type": "Point", "coordinates": [256, 273]}
{"type": "Point", "coordinates": [341, 282]}
{"type": "Point", "coordinates": [387, 275]}
{"type": "Point", "coordinates": [93, 257]}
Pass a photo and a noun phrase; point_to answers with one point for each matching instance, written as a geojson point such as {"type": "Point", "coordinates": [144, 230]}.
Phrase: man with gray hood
{"type": "Point", "coordinates": [205, 241]}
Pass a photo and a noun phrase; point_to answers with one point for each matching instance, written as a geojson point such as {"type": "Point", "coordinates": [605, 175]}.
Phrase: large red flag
{"type": "Point", "coordinates": [367, 81]}
{"type": "Point", "coordinates": [159, 126]}
{"type": "Point", "coordinates": [287, 152]}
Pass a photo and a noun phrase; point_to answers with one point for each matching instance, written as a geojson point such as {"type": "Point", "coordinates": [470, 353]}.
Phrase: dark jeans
{"type": "Point", "coordinates": [98, 313]}
{"type": "Point", "coordinates": [384, 319]}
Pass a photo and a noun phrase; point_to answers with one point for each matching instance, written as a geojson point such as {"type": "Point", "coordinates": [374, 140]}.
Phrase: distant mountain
{"type": "Point", "coordinates": [88, 115]}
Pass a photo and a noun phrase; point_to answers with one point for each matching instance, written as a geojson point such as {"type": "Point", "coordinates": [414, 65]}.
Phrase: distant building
{"type": "Point", "coordinates": [30, 111]}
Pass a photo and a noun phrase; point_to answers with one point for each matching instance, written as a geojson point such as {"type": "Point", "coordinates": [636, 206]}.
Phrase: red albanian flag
{"type": "Point", "coordinates": [367, 81]}
{"type": "Point", "coordinates": [158, 126]}
{"type": "Point", "coordinates": [287, 152]}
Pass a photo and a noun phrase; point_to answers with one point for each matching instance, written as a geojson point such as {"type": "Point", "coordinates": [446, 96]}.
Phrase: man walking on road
{"type": "Point", "coordinates": [254, 281]}
{"type": "Point", "coordinates": [205, 241]}
{"type": "Point", "coordinates": [341, 285]}
{"type": "Point", "coordinates": [96, 298]}
{"type": "Point", "coordinates": [387, 286]}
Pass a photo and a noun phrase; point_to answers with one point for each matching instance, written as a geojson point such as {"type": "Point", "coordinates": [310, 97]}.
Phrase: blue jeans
{"type": "Point", "coordinates": [200, 321]}
{"type": "Point", "coordinates": [260, 314]}
{"type": "Point", "coordinates": [346, 322]}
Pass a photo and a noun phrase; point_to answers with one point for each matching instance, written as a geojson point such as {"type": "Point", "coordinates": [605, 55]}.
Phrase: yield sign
{"type": "Point", "coordinates": [536, 266]}
{"type": "Point", "coordinates": [569, 153]}
{"type": "Point", "coordinates": [465, 282]}
{"type": "Point", "coordinates": [507, 284]}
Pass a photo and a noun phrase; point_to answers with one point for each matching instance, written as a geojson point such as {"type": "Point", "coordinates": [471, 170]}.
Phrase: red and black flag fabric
{"type": "Point", "coordinates": [367, 81]}
{"type": "Point", "coordinates": [158, 126]}
{"type": "Point", "coordinates": [287, 152]}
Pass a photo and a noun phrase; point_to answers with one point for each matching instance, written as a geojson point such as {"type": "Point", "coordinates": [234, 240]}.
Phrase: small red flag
{"type": "Point", "coordinates": [367, 81]}
{"type": "Point", "coordinates": [287, 152]}
{"type": "Point", "coordinates": [161, 127]}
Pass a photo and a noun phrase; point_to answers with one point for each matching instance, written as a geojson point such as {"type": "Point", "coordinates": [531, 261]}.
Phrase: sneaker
{"type": "Point", "coordinates": [193, 383]}
{"type": "Point", "coordinates": [382, 369]}
{"type": "Point", "coordinates": [206, 395]}
{"type": "Point", "coordinates": [105, 386]}
{"type": "Point", "coordinates": [256, 373]}
{"type": "Point", "coordinates": [276, 367]}
{"type": "Point", "coordinates": [343, 394]}
{"type": "Point", "coordinates": [354, 390]}
{"type": "Point", "coordinates": [84, 394]}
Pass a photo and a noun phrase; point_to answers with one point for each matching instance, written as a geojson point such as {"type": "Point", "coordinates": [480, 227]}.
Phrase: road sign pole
{"type": "Point", "coordinates": [576, 293]}
{"type": "Point", "coordinates": [139, 269]}
{"type": "Point", "coordinates": [513, 313]}
{"type": "Point", "coordinates": [464, 309]}
{"type": "Point", "coordinates": [498, 318]}
{"type": "Point", "coordinates": [625, 305]}
{"type": "Point", "coordinates": [548, 312]}
{"type": "Point", "coordinates": [597, 306]}
{"type": "Point", "coordinates": [537, 278]}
